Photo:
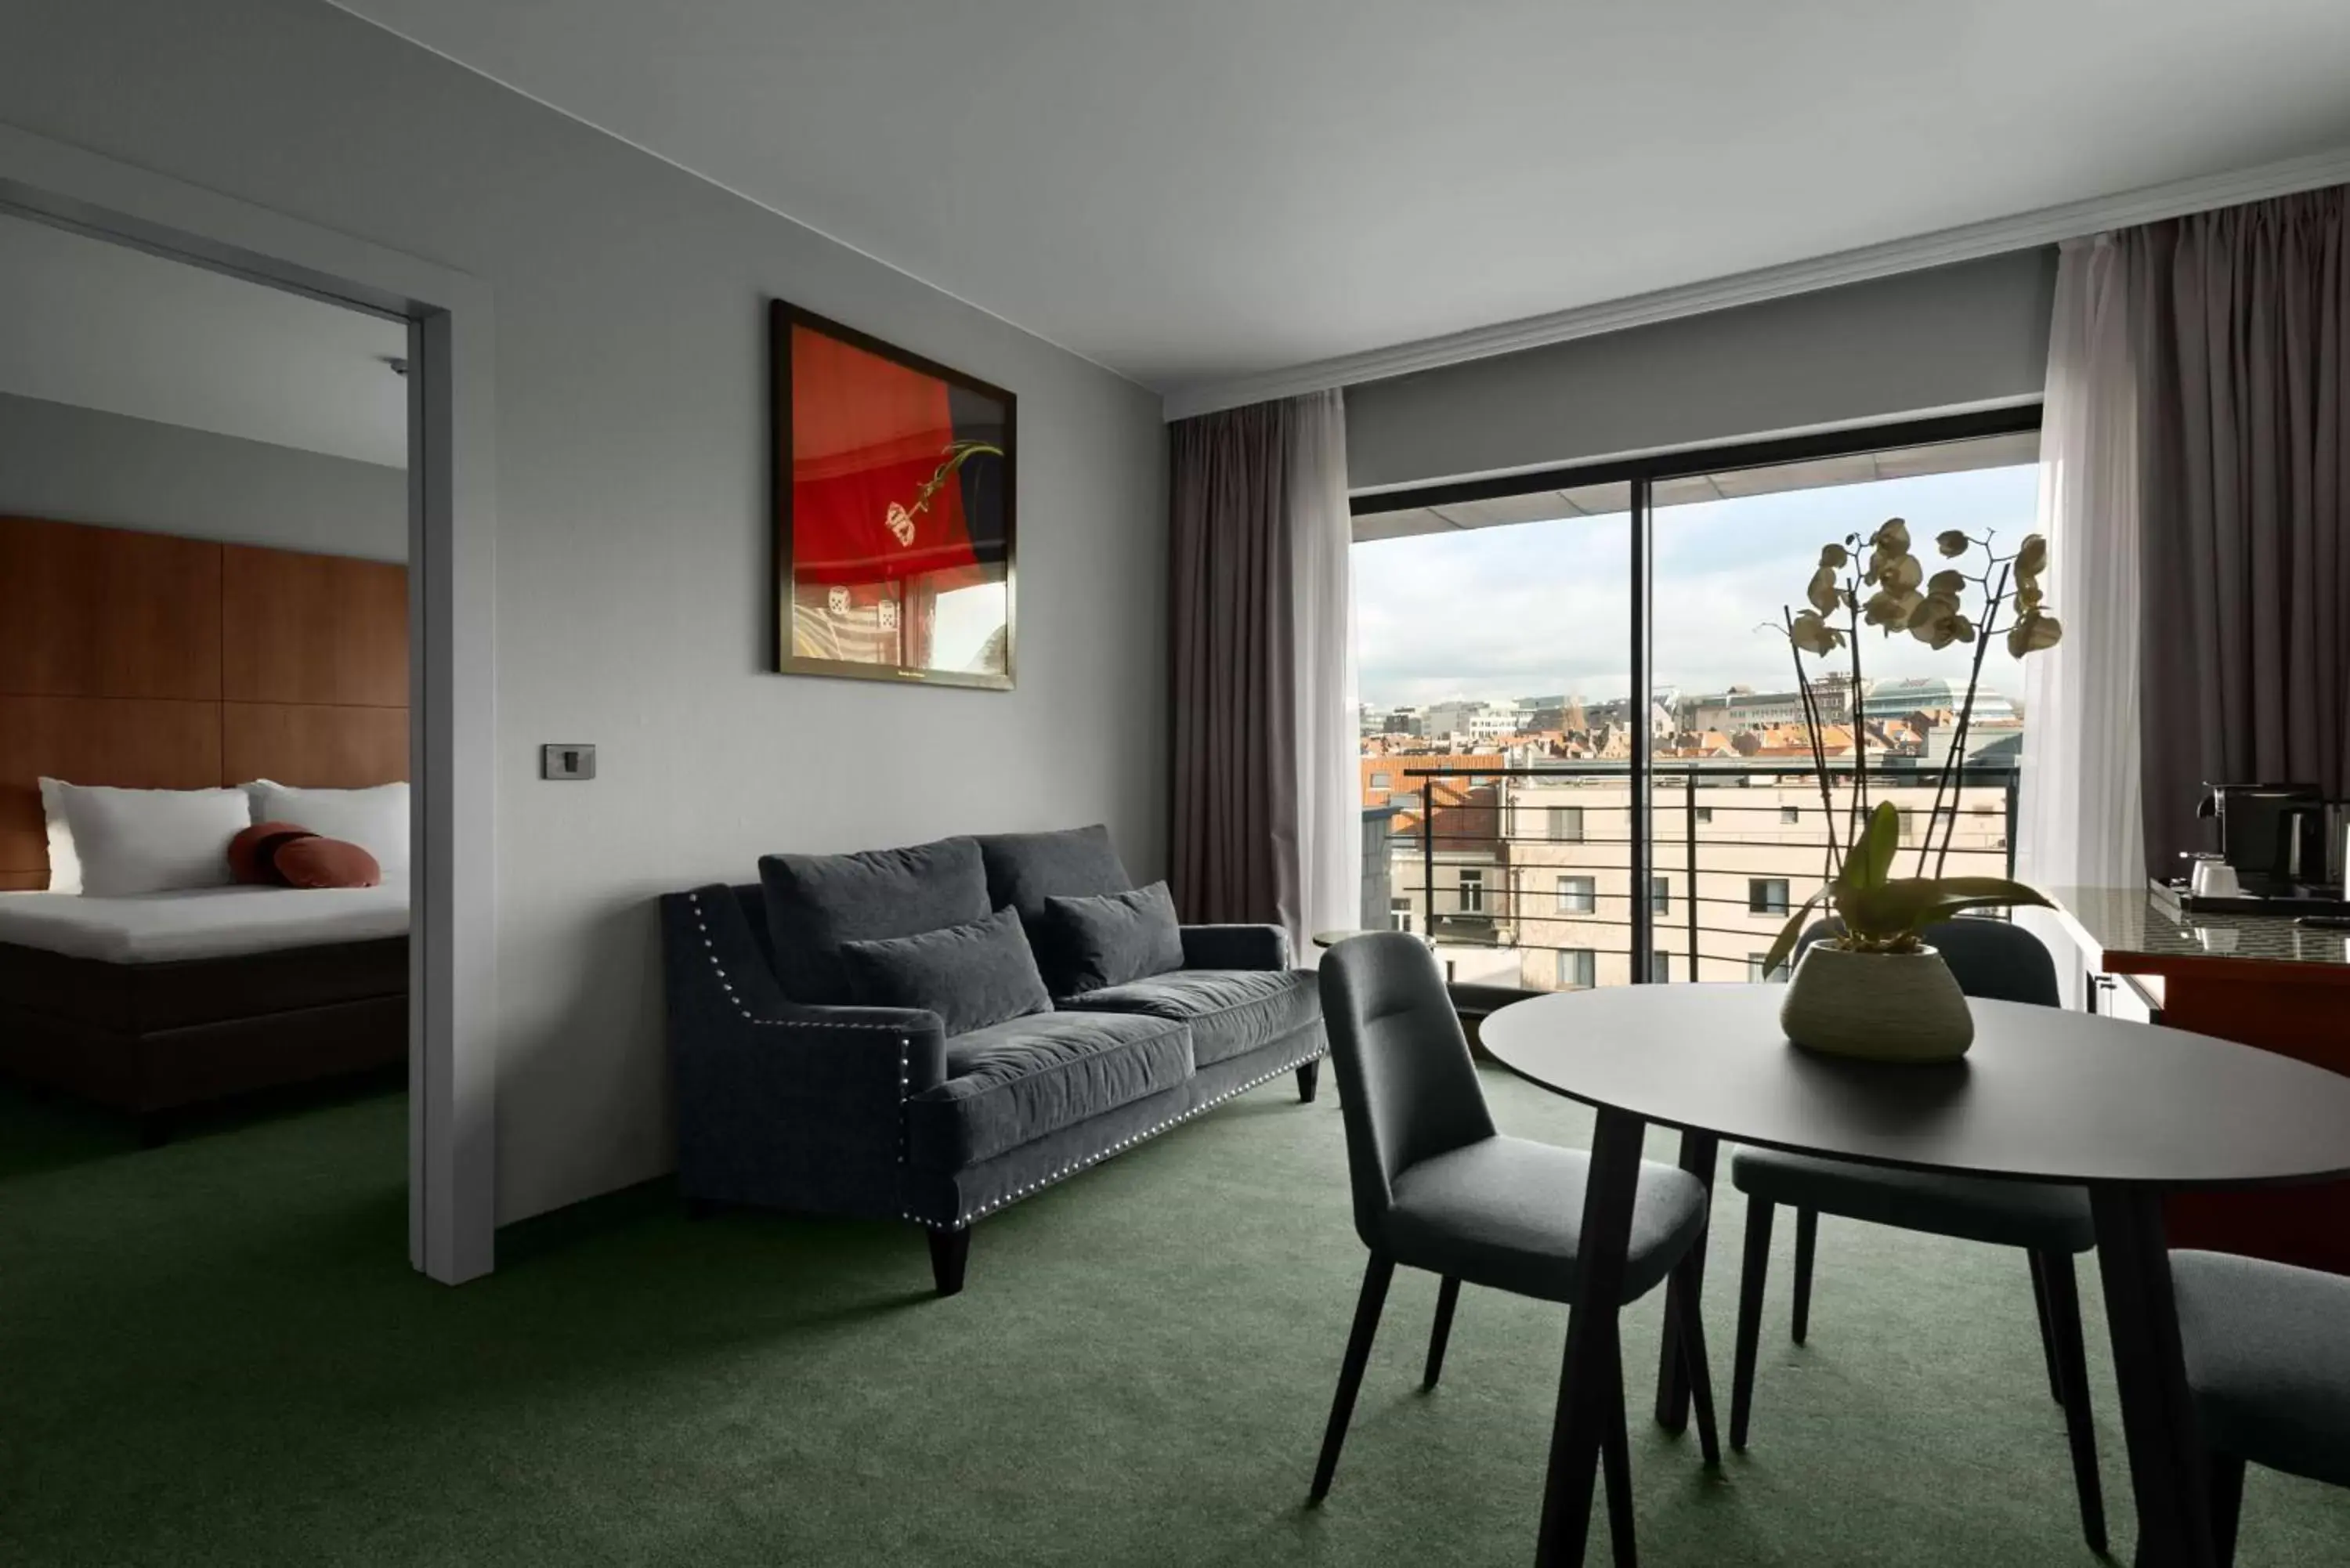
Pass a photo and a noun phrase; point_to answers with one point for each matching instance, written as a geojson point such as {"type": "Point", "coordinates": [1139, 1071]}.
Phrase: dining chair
{"type": "Point", "coordinates": [1436, 1188]}
{"type": "Point", "coordinates": [2268, 1362]}
{"type": "Point", "coordinates": [2050, 1224]}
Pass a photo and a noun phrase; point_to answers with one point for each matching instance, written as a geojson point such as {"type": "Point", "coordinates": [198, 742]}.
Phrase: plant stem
{"type": "Point", "coordinates": [1819, 752]}
{"type": "Point", "coordinates": [1859, 733]}
{"type": "Point", "coordinates": [1953, 765]}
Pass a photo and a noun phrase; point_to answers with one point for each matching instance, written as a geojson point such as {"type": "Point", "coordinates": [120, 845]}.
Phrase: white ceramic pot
{"type": "Point", "coordinates": [1882, 1007]}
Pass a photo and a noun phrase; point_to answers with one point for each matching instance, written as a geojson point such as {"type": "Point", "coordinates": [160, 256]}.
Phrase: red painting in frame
{"type": "Point", "coordinates": [893, 510]}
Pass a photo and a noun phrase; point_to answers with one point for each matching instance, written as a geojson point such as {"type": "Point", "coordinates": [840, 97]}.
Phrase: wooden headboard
{"type": "Point", "coordinates": [156, 662]}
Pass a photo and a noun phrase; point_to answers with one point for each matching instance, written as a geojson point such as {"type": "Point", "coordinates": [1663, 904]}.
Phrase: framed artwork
{"type": "Point", "coordinates": [893, 510]}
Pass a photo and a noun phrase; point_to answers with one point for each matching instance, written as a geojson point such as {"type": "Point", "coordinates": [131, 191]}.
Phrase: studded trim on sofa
{"type": "Point", "coordinates": [710, 951]}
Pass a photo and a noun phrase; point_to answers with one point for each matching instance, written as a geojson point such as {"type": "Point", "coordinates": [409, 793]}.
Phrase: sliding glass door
{"type": "Point", "coordinates": [1587, 757]}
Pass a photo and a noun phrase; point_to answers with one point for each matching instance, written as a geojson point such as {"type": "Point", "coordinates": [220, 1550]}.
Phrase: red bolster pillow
{"type": "Point", "coordinates": [285, 854]}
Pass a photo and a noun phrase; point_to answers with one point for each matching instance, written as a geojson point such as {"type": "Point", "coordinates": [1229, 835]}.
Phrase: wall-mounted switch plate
{"type": "Point", "coordinates": [566, 761]}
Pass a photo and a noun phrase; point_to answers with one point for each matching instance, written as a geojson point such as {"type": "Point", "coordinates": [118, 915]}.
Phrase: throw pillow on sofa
{"type": "Point", "coordinates": [970, 975]}
{"type": "Point", "coordinates": [1024, 869]}
{"type": "Point", "coordinates": [1112, 939]}
{"type": "Point", "coordinates": [816, 902]}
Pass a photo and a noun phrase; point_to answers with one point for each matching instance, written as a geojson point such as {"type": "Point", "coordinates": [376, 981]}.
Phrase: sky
{"type": "Point", "coordinates": [1540, 608]}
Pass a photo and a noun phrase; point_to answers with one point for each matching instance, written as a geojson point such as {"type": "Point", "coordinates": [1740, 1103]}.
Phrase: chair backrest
{"type": "Point", "coordinates": [1995, 961]}
{"type": "Point", "coordinates": [1407, 1086]}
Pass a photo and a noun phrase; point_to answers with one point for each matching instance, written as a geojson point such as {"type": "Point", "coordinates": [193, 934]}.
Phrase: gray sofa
{"type": "Point", "coordinates": [792, 1095]}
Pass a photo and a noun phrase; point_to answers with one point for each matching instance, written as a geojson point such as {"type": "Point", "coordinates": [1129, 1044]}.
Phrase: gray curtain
{"type": "Point", "coordinates": [1236, 789]}
{"type": "Point", "coordinates": [2241, 334]}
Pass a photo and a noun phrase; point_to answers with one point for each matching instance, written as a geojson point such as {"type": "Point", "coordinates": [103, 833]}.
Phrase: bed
{"type": "Point", "coordinates": [156, 1005]}
{"type": "Point", "coordinates": [143, 660]}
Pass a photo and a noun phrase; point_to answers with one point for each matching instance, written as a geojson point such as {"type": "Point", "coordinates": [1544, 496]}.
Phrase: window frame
{"type": "Point", "coordinates": [1640, 475]}
{"type": "Point", "coordinates": [1758, 903]}
{"type": "Point", "coordinates": [1586, 890]}
{"type": "Point", "coordinates": [1465, 877]}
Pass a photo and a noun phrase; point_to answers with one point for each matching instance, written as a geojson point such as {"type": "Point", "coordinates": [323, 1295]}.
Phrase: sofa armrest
{"type": "Point", "coordinates": [1235, 947]}
{"type": "Point", "coordinates": [780, 1103]}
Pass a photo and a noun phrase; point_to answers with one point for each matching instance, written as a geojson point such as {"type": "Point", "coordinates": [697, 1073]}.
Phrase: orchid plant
{"type": "Point", "coordinates": [1883, 913]}
{"type": "Point", "coordinates": [1876, 581]}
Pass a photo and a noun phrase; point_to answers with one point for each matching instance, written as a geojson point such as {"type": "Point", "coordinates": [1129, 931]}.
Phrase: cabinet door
{"type": "Point", "coordinates": [2124, 997]}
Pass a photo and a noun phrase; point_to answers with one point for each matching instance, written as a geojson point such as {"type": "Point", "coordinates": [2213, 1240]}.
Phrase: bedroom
{"type": "Point", "coordinates": [204, 723]}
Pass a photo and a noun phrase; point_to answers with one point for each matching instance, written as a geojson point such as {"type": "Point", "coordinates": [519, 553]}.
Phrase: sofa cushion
{"type": "Point", "coordinates": [1109, 939]}
{"type": "Point", "coordinates": [971, 976]}
{"type": "Point", "coordinates": [816, 902]}
{"type": "Point", "coordinates": [1230, 1010]}
{"type": "Point", "coordinates": [1023, 869]}
{"type": "Point", "coordinates": [1014, 1082]}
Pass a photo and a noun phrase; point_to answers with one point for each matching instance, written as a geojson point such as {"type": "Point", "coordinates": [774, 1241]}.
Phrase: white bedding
{"type": "Point", "coordinates": [201, 923]}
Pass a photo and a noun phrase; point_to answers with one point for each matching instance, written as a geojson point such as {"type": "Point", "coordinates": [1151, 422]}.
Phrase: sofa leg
{"type": "Point", "coordinates": [949, 1249]}
{"type": "Point", "coordinates": [1309, 1078]}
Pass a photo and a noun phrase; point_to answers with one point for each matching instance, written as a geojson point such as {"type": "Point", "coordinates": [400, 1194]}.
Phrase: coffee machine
{"type": "Point", "coordinates": [2275, 837]}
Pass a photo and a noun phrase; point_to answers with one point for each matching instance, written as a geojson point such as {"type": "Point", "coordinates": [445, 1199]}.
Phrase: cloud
{"type": "Point", "coordinates": [1543, 607]}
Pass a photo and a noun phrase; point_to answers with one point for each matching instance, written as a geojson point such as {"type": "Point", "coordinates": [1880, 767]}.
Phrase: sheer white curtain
{"type": "Point", "coordinates": [2079, 817]}
{"type": "Point", "coordinates": [1328, 891]}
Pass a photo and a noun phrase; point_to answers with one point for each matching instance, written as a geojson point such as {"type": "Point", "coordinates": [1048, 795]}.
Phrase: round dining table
{"type": "Point", "coordinates": [2129, 1111]}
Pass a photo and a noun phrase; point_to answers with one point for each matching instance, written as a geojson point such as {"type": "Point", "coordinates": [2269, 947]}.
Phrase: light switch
{"type": "Point", "coordinates": [567, 759]}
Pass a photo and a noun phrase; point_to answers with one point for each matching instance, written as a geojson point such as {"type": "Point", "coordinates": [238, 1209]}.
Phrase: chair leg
{"type": "Point", "coordinates": [1695, 1366]}
{"type": "Point", "coordinates": [2227, 1483]}
{"type": "Point", "coordinates": [1754, 1272]}
{"type": "Point", "coordinates": [1350, 1373]}
{"type": "Point", "coordinates": [1616, 1470]}
{"type": "Point", "coordinates": [2048, 1334]}
{"type": "Point", "coordinates": [1448, 1297]}
{"type": "Point", "coordinates": [950, 1251]}
{"type": "Point", "coordinates": [1807, 1237]}
{"type": "Point", "coordinates": [2073, 1376]}
{"type": "Point", "coordinates": [1309, 1078]}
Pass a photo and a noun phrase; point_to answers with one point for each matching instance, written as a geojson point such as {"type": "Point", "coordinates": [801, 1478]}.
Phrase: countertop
{"type": "Point", "coordinates": [2138, 933]}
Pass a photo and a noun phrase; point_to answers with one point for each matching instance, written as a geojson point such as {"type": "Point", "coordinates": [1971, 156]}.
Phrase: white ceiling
{"type": "Point", "coordinates": [1188, 190]}
{"type": "Point", "coordinates": [101, 325]}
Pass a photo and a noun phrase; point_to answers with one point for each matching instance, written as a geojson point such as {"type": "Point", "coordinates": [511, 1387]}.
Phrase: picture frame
{"type": "Point", "coordinates": [894, 511]}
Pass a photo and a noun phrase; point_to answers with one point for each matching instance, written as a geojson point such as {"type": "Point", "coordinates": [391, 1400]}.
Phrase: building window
{"type": "Point", "coordinates": [1379, 781]}
{"type": "Point", "coordinates": [1400, 914]}
{"type": "Point", "coordinates": [1567, 824]}
{"type": "Point", "coordinates": [1755, 969]}
{"type": "Point", "coordinates": [1577, 895]}
{"type": "Point", "coordinates": [1789, 816]}
{"type": "Point", "coordinates": [1473, 891]}
{"type": "Point", "coordinates": [1908, 821]}
{"type": "Point", "coordinates": [1704, 815]}
{"type": "Point", "coordinates": [1578, 968]}
{"type": "Point", "coordinates": [1661, 895]}
{"type": "Point", "coordinates": [1661, 967]}
{"type": "Point", "coordinates": [1766, 895]}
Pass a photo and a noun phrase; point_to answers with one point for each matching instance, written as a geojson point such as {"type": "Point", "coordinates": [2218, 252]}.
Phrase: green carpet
{"type": "Point", "coordinates": [215, 1353]}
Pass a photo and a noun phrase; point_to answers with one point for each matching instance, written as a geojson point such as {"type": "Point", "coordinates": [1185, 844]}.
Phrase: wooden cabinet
{"type": "Point", "coordinates": [2260, 981]}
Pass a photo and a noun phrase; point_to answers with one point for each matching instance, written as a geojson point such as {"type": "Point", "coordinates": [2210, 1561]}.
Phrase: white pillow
{"type": "Point", "coordinates": [152, 840]}
{"type": "Point", "coordinates": [65, 866]}
{"type": "Point", "coordinates": [376, 819]}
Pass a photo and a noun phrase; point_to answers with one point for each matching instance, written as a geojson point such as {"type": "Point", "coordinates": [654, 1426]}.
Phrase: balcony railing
{"type": "Point", "coordinates": [1523, 875]}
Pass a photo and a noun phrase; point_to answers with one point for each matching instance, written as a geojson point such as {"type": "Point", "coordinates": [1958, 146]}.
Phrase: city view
{"type": "Point", "coordinates": [1498, 724]}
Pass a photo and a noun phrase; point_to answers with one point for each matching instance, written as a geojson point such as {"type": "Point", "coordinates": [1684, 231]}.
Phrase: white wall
{"type": "Point", "coordinates": [633, 556]}
{"type": "Point", "coordinates": [1955, 336]}
{"type": "Point", "coordinates": [81, 465]}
